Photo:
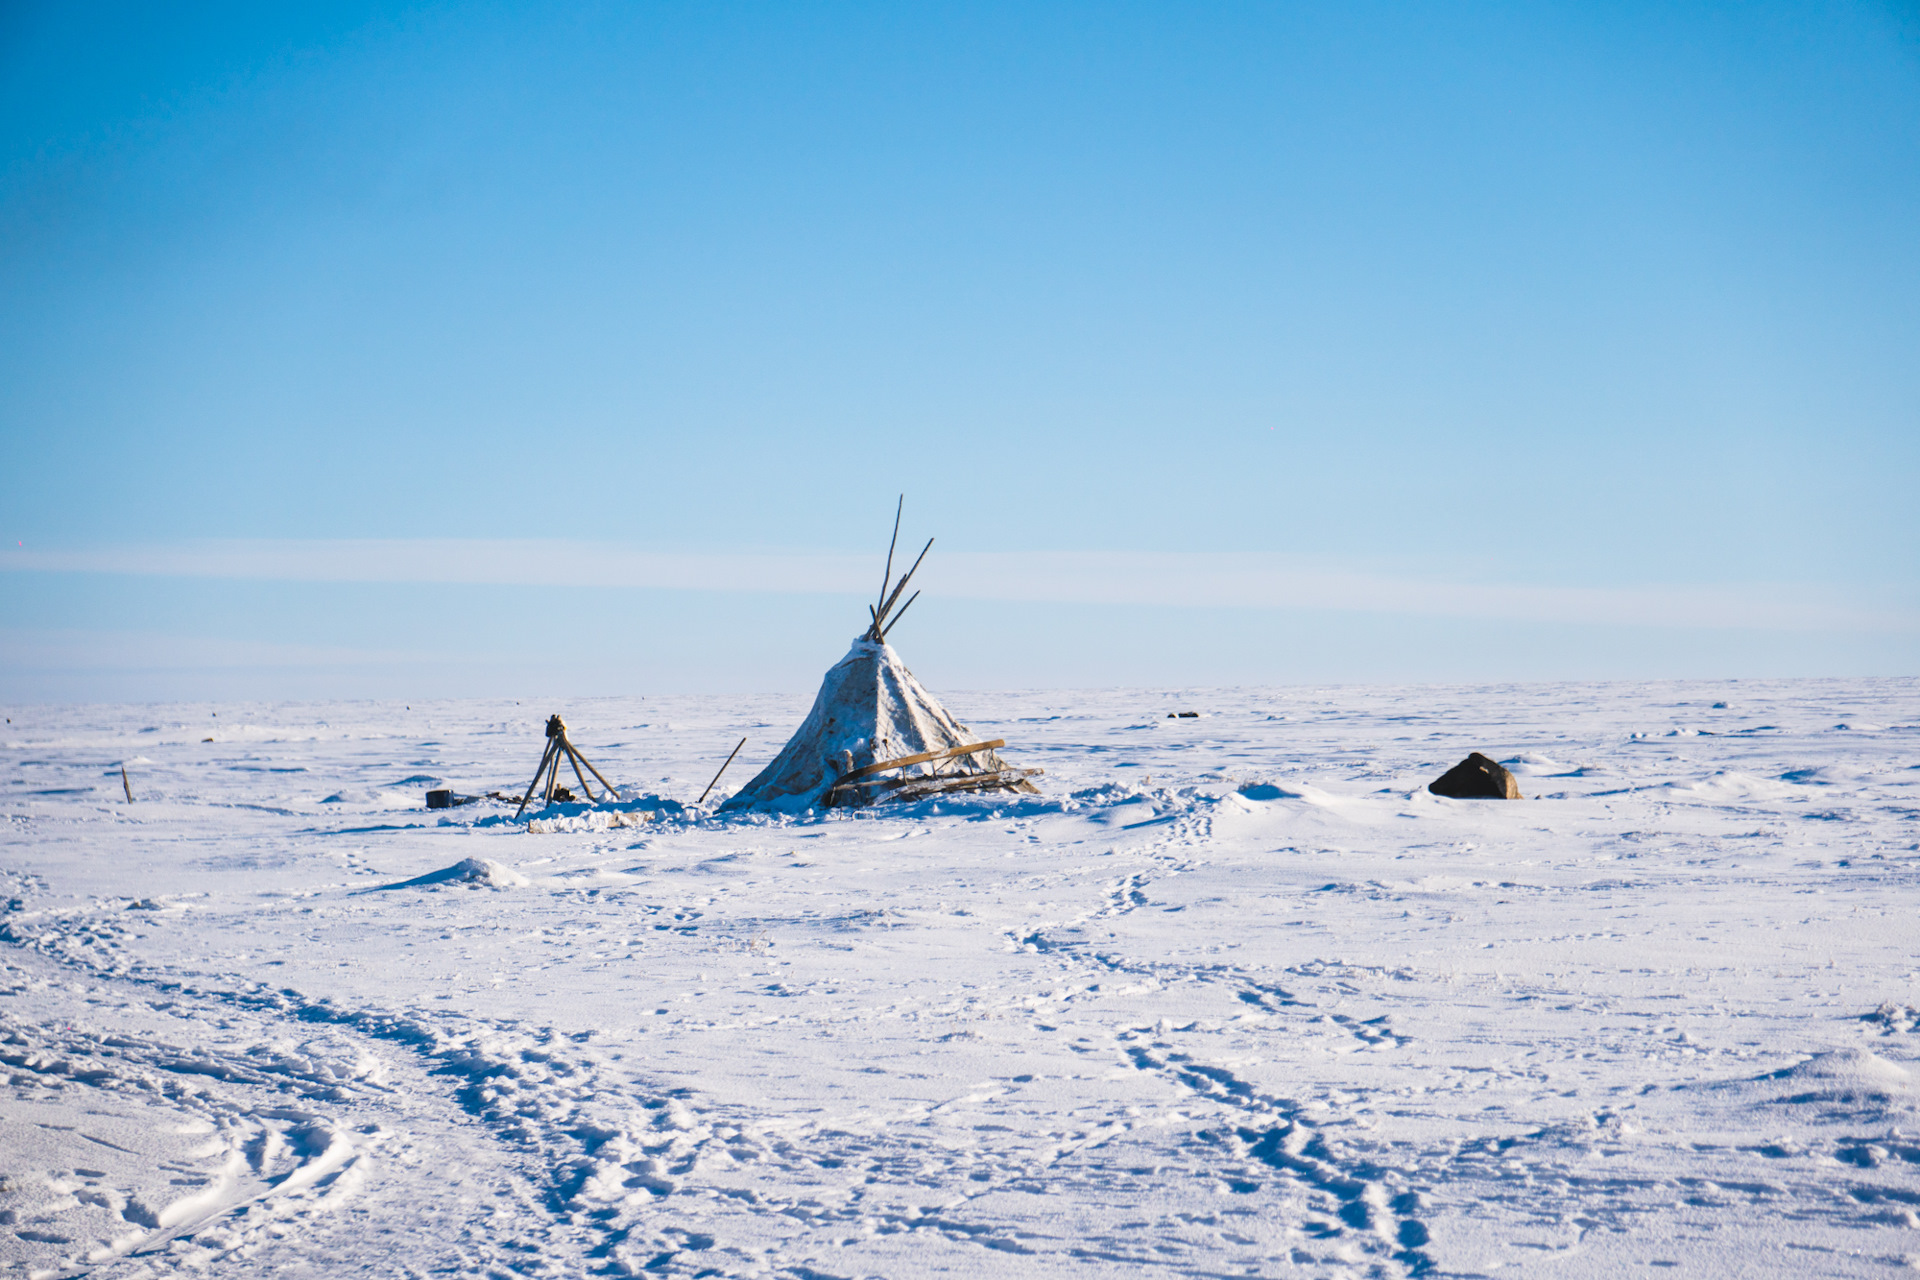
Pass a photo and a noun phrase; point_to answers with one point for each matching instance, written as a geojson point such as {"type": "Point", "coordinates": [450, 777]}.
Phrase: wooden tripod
{"type": "Point", "coordinates": [559, 744]}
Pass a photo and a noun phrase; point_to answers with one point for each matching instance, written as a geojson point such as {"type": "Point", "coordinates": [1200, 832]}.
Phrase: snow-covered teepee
{"type": "Point", "coordinates": [876, 734]}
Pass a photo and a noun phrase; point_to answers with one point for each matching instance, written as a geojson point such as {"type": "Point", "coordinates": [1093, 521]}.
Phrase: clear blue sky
{"type": "Point", "coordinates": [1621, 300]}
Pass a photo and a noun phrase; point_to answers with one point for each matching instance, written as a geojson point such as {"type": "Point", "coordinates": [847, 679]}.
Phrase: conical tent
{"type": "Point", "coordinates": [871, 710]}
{"type": "Point", "coordinates": [873, 719]}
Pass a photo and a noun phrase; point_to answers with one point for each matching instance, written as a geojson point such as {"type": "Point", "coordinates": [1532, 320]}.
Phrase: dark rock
{"type": "Point", "coordinates": [1476, 778]}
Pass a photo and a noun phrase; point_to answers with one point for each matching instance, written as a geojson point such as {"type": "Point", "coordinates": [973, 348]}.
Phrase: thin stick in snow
{"type": "Point", "coordinates": [723, 769]}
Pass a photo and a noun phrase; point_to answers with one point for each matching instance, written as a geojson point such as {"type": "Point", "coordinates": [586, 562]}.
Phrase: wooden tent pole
{"type": "Point", "coordinates": [613, 792]}
{"type": "Point", "coordinates": [575, 762]}
{"type": "Point", "coordinates": [887, 577]}
{"type": "Point", "coordinates": [896, 617]}
{"type": "Point", "coordinates": [531, 786]}
{"type": "Point", "coordinates": [888, 606]}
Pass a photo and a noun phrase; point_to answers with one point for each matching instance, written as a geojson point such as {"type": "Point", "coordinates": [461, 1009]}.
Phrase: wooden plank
{"type": "Point", "coordinates": [867, 771]}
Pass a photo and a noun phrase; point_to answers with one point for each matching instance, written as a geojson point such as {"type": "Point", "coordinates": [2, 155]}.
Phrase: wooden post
{"type": "Point", "coordinates": [126, 784]}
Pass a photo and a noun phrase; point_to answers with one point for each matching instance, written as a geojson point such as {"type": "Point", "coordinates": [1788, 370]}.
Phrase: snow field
{"type": "Point", "coordinates": [1234, 995]}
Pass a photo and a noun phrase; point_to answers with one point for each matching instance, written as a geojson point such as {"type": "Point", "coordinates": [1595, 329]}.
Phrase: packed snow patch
{"type": "Point", "coordinates": [1731, 784]}
{"type": "Point", "coordinates": [1531, 764]}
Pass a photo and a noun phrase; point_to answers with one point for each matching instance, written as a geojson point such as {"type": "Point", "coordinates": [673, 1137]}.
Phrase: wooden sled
{"type": "Point", "coordinates": [870, 785]}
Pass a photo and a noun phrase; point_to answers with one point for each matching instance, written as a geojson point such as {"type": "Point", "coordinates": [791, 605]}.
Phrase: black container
{"type": "Point", "coordinates": [440, 799]}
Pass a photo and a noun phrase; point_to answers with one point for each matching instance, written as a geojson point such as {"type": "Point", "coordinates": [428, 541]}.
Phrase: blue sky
{"type": "Point", "coordinates": [424, 350]}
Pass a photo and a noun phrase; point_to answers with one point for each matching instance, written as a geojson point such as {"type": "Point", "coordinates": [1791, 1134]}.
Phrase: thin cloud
{"type": "Point", "coordinates": [67, 649]}
{"type": "Point", "coordinates": [1254, 580]}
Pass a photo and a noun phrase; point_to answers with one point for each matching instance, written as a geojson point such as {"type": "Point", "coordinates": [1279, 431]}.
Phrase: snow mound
{"type": "Point", "coordinates": [1851, 1084]}
{"type": "Point", "coordinates": [474, 872]}
{"type": "Point", "coordinates": [1267, 792]}
{"type": "Point", "coordinates": [1849, 1067]}
{"type": "Point", "coordinates": [488, 872]}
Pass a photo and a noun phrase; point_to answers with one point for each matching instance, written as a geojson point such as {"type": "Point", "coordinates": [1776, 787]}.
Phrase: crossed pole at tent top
{"type": "Point", "coordinates": [883, 614]}
{"type": "Point", "coordinates": [559, 744]}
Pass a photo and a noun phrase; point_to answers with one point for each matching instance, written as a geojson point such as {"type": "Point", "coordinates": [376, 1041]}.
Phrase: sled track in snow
{"type": "Point", "coordinates": [601, 1166]}
{"type": "Point", "coordinates": [522, 1087]}
{"type": "Point", "coordinates": [1269, 1136]}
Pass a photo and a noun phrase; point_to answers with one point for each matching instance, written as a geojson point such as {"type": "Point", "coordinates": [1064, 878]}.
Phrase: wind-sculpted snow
{"type": "Point", "coordinates": [1234, 996]}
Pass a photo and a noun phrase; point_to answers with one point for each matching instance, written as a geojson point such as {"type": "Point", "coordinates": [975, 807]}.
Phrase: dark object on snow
{"type": "Point", "coordinates": [1183, 715]}
{"type": "Point", "coordinates": [1476, 778]}
{"type": "Point", "coordinates": [440, 799]}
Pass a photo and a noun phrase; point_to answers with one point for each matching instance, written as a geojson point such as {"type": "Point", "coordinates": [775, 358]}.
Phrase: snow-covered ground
{"type": "Point", "coordinates": [1232, 996]}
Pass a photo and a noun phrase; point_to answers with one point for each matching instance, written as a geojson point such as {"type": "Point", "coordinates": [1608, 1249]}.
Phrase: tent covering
{"type": "Point", "coordinates": [869, 710]}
